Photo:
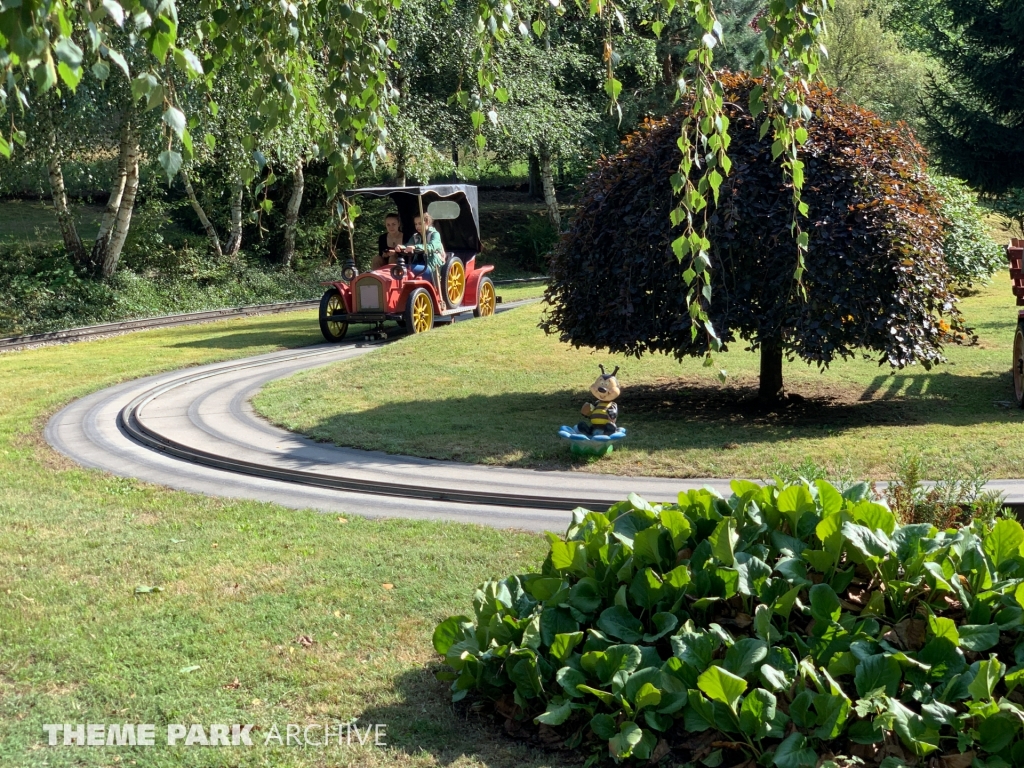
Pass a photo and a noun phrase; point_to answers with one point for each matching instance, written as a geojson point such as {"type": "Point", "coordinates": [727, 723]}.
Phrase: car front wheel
{"type": "Point", "coordinates": [419, 312]}
{"type": "Point", "coordinates": [332, 304]}
{"type": "Point", "coordinates": [487, 300]}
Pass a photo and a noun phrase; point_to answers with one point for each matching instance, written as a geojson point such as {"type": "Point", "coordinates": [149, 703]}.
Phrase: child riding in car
{"type": "Point", "coordinates": [432, 251]}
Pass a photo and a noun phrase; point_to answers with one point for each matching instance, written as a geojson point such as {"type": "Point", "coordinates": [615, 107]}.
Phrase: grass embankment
{"type": "Point", "coordinates": [496, 393]}
{"type": "Point", "coordinates": [32, 222]}
{"type": "Point", "coordinates": [242, 583]}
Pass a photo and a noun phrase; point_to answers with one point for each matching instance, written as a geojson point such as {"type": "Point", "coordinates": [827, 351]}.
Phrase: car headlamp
{"type": "Point", "coordinates": [398, 269]}
{"type": "Point", "coordinates": [349, 271]}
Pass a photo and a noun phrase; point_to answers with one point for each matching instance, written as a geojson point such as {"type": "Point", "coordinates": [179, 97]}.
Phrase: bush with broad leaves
{"type": "Point", "coordinates": [786, 624]}
{"type": "Point", "coordinates": [971, 253]}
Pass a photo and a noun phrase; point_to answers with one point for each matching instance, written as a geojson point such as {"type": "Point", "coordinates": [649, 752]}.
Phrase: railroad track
{"type": "Point", "coordinates": [196, 431]}
{"type": "Point", "coordinates": [144, 420]}
{"type": "Point", "coordinates": [87, 332]}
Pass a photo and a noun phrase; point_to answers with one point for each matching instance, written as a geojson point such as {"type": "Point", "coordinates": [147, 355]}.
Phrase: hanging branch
{"type": "Point", "coordinates": [794, 33]}
{"type": "Point", "coordinates": [794, 38]}
{"type": "Point", "coordinates": [704, 142]}
{"type": "Point", "coordinates": [348, 220]}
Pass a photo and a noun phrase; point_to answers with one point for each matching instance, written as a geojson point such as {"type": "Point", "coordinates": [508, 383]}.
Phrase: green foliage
{"type": "Point", "coordinates": [875, 275]}
{"type": "Point", "coordinates": [40, 290]}
{"type": "Point", "coordinates": [971, 253]}
{"type": "Point", "coordinates": [742, 38]}
{"type": "Point", "coordinates": [791, 621]}
{"type": "Point", "coordinates": [548, 81]}
{"type": "Point", "coordinates": [975, 121]}
{"type": "Point", "coordinates": [533, 243]}
{"type": "Point", "coordinates": [871, 64]}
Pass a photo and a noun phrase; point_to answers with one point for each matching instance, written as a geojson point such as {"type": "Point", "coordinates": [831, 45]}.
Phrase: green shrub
{"type": "Point", "coordinates": [787, 624]}
{"type": "Point", "coordinates": [534, 241]}
{"type": "Point", "coordinates": [40, 290]}
{"type": "Point", "coordinates": [956, 499]}
{"type": "Point", "coordinates": [971, 253]}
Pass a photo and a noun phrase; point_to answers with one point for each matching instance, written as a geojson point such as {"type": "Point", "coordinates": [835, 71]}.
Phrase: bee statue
{"type": "Point", "coordinates": [595, 434]}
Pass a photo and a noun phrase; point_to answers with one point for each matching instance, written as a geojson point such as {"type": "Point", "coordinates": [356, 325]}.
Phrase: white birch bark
{"type": "Point", "coordinates": [548, 181]}
{"type": "Point", "coordinates": [235, 233]}
{"type": "Point", "coordinates": [211, 231]}
{"type": "Point", "coordinates": [291, 215]}
{"type": "Point", "coordinates": [124, 211]}
{"type": "Point", "coordinates": [99, 247]}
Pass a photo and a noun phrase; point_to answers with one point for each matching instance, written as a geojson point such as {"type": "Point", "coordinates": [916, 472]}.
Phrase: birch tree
{"type": "Point", "coordinates": [46, 41]}
{"type": "Point", "coordinates": [96, 119]}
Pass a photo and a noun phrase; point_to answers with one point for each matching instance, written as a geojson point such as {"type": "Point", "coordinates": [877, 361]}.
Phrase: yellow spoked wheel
{"type": "Point", "coordinates": [332, 304]}
{"type": "Point", "coordinates": [455, 282]}
{"type": "Point", "coordinates": [419, 313]}
{"type": "Point", "coordinates": [1018, 364]}
{"type": "Point", "coordinates": [485, 305]}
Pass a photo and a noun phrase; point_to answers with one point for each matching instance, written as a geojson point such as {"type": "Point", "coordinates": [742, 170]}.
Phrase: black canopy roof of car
{"type": "Point", "coordinates": [462, 233]}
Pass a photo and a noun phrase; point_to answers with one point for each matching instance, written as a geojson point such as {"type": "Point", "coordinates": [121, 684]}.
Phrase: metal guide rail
{"type": "Point", "coordinates": [132, 422]}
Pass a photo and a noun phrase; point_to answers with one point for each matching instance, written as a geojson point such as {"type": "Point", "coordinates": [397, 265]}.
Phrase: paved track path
{"type": "Point", "coordinates": [145, 429]}
{"type": "Point", "coordinates": [195, 430]}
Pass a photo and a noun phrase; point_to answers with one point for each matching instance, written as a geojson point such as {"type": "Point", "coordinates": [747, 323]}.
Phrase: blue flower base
{"type": "Point", "coordinates": [591, 445]}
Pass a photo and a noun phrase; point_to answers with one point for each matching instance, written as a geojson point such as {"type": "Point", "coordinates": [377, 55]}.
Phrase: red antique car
{"type": "Point", "coordinates": [406, 292]}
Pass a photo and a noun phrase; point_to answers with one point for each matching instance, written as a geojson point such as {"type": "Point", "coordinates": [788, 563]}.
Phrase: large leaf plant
{"type": "Point", "coordinates": [792, 624]}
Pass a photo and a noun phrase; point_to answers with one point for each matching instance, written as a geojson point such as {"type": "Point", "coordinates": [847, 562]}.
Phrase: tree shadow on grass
{"type": "Point", "coordinates": [924, 398]}
{"type": "Point", "coordinates": [519, 429]}
{"type": "Point", "coordinates": [282, 334]}
{"type": "Point", "coordinates": [425, 720]}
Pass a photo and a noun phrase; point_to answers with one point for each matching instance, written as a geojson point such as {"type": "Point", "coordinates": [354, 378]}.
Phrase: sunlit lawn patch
{"type": "Point", "coordinates": [497, 392]}
{"type": "Point", "coordinates": [242, 584]}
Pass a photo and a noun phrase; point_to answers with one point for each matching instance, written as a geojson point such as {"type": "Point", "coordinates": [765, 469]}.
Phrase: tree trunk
{"type": "Point", "coordinates": [124, 211]}
{"type": "Point", "coordinates": [72, 242]}
{"type": "Point", "coordinates": [535, 182]}
{"type": "Point", "coordinates": [400, 176]}
{"type": "Point", "coordinates": [770, 390]}
{"type": "Point", "coordinates": [291, 216]}
{"type": "Point", "coordinates": [99, 247]}
{"type": "Point", "coordinates": [548, 181]}
{"type": "Point", "coordinates": [235, 233]}
{"type": "Point", "coordinates": [211, 231]}
{"type": "Point", "coordinates": [455, 154]}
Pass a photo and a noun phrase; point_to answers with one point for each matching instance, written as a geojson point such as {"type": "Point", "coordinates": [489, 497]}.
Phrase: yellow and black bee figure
{"type": "Point", "coordinates": [598, 428]}
{"type": "Point", "coordinates": [600, 417]}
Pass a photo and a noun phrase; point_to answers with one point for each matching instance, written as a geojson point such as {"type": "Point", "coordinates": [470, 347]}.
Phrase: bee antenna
{"type": "Point", "coordinates": [602, 369]}
{"type": "Point", "coordinates": [616, 370]}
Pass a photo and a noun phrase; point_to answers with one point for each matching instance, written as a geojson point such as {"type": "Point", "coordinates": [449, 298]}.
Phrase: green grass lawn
{"type": "Point", "coordinates": [32, 222]}
{"type": "Point", "coordinates": [998, 228]}
{"type": "Point", "coordinates": [496, 393]}
{"type": "Point", "coordinates": [242, 583]}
